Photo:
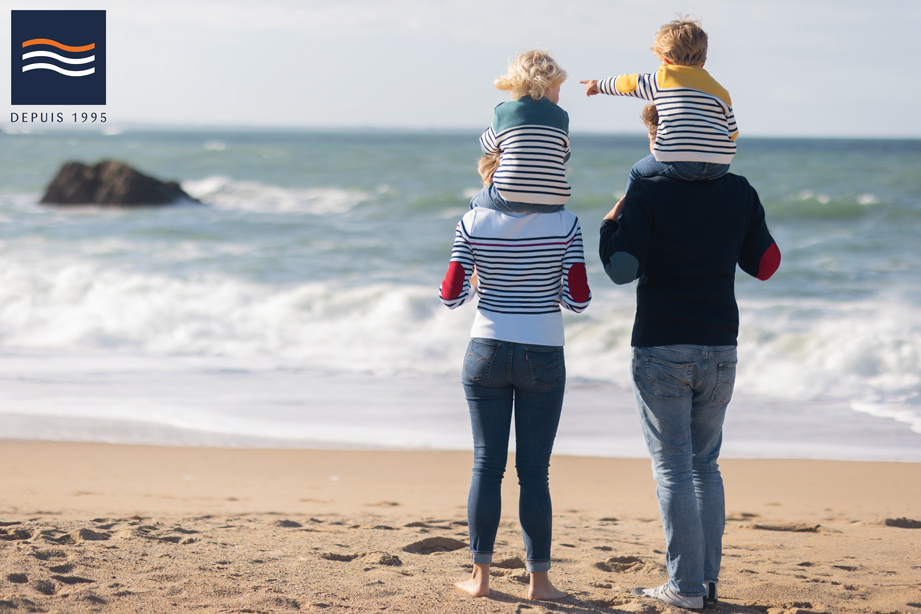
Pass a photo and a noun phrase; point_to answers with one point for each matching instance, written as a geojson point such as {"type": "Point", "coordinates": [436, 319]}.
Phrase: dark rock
{"type": "Point", "coordinates": [110, 183]}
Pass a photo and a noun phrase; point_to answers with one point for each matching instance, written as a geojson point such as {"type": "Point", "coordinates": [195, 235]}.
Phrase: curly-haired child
{"type": "Point", "coordinates": [696, 132]}
{"type": "Point", "coordinates": [527, 144]}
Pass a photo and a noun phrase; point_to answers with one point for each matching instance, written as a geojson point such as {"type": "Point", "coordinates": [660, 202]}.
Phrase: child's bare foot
{"type": "Point", "coordinates": [478, 584]}
{"type": "Point", "coordinates": [542, 590]}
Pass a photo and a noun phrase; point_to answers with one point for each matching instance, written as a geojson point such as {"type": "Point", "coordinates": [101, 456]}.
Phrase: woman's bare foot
{"type": "Point", "coordinates": [542, 590]}
{"type": "Point", "coordinates": [478, 584]}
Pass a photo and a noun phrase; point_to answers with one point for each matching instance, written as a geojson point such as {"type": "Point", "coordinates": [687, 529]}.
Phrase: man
{"type": "Point", "coordinates": [682, 240]}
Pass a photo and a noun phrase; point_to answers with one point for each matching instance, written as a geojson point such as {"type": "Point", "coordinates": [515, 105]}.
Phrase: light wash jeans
{"type": "Point", "coordinates": [489, 198]}
{"type": "Point", "coordinates": [686, 171]}
{"type": "Point", "coordinates": [682, 392]}
{"type": "Point", "coordinates": [501, 379]}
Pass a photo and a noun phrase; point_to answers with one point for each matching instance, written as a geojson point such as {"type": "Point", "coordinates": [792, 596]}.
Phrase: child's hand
{"type": "Point", "coordinates": [615, 212]}
{"type": "Point", "coordinates": [591, 87]}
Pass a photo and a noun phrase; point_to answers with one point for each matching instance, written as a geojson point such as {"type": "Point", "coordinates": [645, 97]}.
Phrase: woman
{"type": "Point", "coordinates": [527, 265]}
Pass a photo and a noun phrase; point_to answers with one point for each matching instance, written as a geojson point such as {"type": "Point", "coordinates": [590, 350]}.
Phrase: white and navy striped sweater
{"type": "Point", "coordinates": [696, 121]}
{"type": "Point", "coordinates": [527, 264]}
{"type": "Point", "coordinates": [532, 138]}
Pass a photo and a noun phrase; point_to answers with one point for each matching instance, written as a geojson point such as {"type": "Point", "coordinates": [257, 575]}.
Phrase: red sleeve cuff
{"type": "Point", "coordinates": [453, 284]}
{"type": "Point", "coordinates": [770, 261]}
{"type": "Point", "coordinates": [578, 283]}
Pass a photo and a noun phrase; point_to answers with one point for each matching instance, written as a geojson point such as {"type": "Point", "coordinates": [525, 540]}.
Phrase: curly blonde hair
{"type": "Point", "coordinates": [650, 117]}
{"type": "Point", "coordinates": [532, 73]}
{"type": "Point", "coordinates": [682, 42]}
{"type": "Point", "coordinates": [487, 166]}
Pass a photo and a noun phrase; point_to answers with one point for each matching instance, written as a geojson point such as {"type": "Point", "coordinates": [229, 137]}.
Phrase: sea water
{"type": "Point", "coordinates": [297, 305]}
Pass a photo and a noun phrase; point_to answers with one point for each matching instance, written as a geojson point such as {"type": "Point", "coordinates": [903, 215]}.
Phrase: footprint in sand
{"type": "Point", "coordinates": [45, 587]}
{"type": "Point", "coordinates": [47, 555]}
{"type": "Point", "coordinates": [72, 580]}
{"type": "Point", "coordinates": [17, 578]}
{"type": "Point", "coordinates": [434, 545]}
{"type": "Point", "coordinates": [342, 558]}
{"type": "Point", "coordinates": [622, 564]}
{"type": "Point", "coordinates": [83, 535]}
{"type": "Point", "coordinates": [371, 558]}
{"type": "Point", "coordinates": [903, 523]}
{"type": "Point", "coordinates": [66, 568]}
{"type": "Point", "coordinates": [381, 558]}
{"type": "Point", "coordinates": [793, 527]}
{"type": "Point", "coordinates": [17, 534]}
{"type": "Point", "coordinates": [512, 563]}
{"type": "Point", "coordinates": [742, 516]}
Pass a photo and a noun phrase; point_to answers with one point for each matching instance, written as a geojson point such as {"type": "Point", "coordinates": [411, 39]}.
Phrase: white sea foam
{"type": "Point", "coordinates": [868, 353]}
{"type": "Point", "coordinates": [251, 196]}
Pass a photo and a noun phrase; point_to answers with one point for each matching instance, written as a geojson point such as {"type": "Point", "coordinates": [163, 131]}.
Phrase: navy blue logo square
{"type": "Point", "coordinates": [59, 57]}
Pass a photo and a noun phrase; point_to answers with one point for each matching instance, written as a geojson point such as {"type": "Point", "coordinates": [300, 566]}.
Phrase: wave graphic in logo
{"type": "Point", "coordinates": [66, 60]}
{"type": "Point", "coordinates": [58, 57]}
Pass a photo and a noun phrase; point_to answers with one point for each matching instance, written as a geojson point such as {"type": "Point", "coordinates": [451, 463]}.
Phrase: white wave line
{"type": "Point", "coordinates": [59, 58]}
{"type": "Point", "coordinates": [68, 73]}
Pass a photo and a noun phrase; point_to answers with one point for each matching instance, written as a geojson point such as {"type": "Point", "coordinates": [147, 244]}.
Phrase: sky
{"type": "Point", "coordinates": [794, 68]}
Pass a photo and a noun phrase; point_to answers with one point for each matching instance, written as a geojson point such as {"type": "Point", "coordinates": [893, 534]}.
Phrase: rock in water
{"type": "Point", "coordinates": [110, 183]}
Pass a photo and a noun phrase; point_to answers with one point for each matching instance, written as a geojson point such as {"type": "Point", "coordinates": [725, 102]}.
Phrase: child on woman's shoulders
{"type": "Point", "coordinates": [527, 144]}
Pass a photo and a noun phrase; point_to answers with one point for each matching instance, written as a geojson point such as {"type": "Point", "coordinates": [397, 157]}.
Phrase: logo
{"type": "Point", "coordinates": [59, 57]}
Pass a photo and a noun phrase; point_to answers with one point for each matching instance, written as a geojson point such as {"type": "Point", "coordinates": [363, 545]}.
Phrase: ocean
{"type": "Point", "coordinates": [298, 306]}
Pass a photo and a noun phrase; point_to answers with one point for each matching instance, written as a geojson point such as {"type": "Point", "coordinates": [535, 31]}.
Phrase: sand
{"type": "Point", "coordinates": [106, 528]}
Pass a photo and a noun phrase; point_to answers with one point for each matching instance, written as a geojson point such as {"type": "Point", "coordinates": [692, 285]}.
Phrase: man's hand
{"type": "Point", "coordinates": [591, 87]}
{"type": "Point", "coordinates": [615, 212]}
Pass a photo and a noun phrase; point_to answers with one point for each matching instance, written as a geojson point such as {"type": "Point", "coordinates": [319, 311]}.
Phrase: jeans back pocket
{"type": "Point", "coordinates": [725, 382]}
{"type": "Point", "coordinates": [547, 367]}
{"type": "Point", "coordinates": [481, 355]}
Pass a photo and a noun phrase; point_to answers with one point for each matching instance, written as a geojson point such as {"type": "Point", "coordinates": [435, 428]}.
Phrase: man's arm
{"type": "Point", "coordinates": [625, 235]}
{"type": "Point", "coordinates": [760, 256]}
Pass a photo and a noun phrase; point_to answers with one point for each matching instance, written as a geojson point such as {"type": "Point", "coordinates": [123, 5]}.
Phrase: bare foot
{"type": "Point", "coordinates": [478, 584]}
{"type": "Point", "coordinates": [542, 590]}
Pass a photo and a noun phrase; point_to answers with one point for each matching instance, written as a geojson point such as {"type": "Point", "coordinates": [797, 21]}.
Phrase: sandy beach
{"type": "Point", "coordinates": [107, 528]}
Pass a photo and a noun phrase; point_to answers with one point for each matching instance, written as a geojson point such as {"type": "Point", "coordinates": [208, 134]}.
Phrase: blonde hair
{"type": "Point", "coordinates": [682, 42]}
{"type": "Point", "coordinates": [487, 166]}
{"type": "Point", "coordinates": [650, 117]}
{"type": "Point", "coordinates": [532, 73]}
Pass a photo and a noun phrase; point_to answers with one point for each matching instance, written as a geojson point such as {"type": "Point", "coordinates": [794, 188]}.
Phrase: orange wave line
{"type": "Point", "coordinates": [48, 41]}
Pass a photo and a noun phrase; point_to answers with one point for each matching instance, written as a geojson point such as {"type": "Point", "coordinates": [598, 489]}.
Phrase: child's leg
{"type": "Point", "coordinates": [696, 171]}
{"type": "Point", "coordinates": [647, 167]}
{"type": "Point", "coordinates": [489, 198]}
{"type": "Point", "coordinates": [685, 171]}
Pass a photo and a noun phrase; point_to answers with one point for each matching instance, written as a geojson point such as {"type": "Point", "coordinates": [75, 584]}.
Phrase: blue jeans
{"type": "Point", "coordinates": [686, 171]}
{"type": "Point", "coordinates": [682, 392]}
{"type": "Point", "coordinates": [497, 376]}
{"type": "Point", "coordinates": [489, 198]}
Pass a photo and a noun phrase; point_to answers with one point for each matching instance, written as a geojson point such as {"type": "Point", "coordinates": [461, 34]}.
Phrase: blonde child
{"type": "Point", "coordinates": [696, 131]}
{"type": "Point", "coordinates": [530, 136]}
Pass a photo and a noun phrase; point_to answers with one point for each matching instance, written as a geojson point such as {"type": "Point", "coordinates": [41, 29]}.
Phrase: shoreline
{"type": "Point", "coordinates": [118, 528]}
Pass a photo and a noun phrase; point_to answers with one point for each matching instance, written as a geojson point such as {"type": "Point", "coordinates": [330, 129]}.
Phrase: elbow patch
{"type": "Point", "coordinates": [453, 284]}
{"type": "Point", "coordinates": [622, 268]}
{"type": "Point", "coordinates": [770, 261]}
{"type": "Point", "coordinates": [625, 83]}
{"type": "Point", "coordinates": [578, 283]}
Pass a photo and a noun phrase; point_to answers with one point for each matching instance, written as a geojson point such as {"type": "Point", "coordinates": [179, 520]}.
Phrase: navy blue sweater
{"type": "Point", "coordinates": [682, 240]}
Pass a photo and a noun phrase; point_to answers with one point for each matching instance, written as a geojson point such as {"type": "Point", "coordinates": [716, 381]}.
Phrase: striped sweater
{"type": "Point", "coordinates": [528, 264]}
{"type": "Point", "coordinates": [696, 121]}
{"type": "Point", "coordinates": [532, 138]}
